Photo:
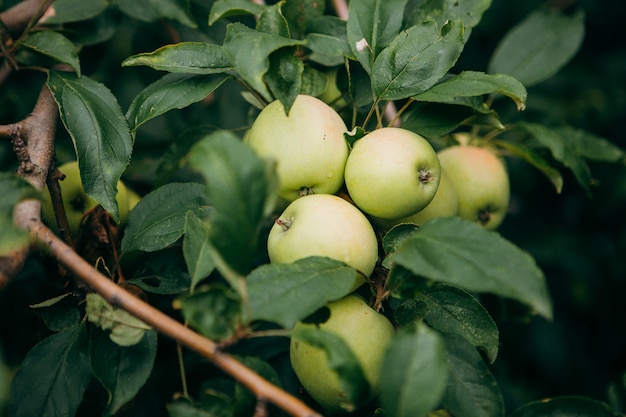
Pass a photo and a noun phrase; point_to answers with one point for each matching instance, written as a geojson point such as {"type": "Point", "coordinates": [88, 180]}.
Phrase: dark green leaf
{"type": "Point", "coordinates": [158, 220]}
{"type": "Point", "coordinates": [94, 120]}
{"type": "Point", "coordinates": [284, 294]}
{"type": "Point", "coordinates": [562, 149]}
{"type": "Point", "coordinates": [173, 91]}
{"type": "Point", "coordinates": [433, 120]}
{"type": "Point", "coordinates": [472, 390]}
{"type": "Point", "coordinates": [300, 12]}
{"type": "Point", "coordinates": [66, 11]}
{"type": "Point", "coordinates": [284, 78]}
{"type": "Point", "coordinates": [463, 253]}
{"type": "Point", "coordinates": [215, 311]}
{"type": "Point", "coordinates": [590, 146]}
{"type": "Point", "coordinates": [396, 235]}
{"type": "Point", "coordinates": [54, 45]}
{"type": "Point", "coordinates": [164, 273]}
{"type": "Point", "coordinates": [534, 158]}
{"type": "Point", "coordinates": [472, 84]}
{"type": "Point", "coordinates": [59, 312]}
{"type": "Point", "coordinates": [470, 12]}
{"type": "Point", "coordinates": [565, 406]}
{"type": "Point", "coordinates": [12, 238]}
{"type": "Point", "coordinates": [196, 249]}
{"type": "Point", "coordinates": [539, 46]}
{"type": "Point", "coordinates": [372, 24]}
{"type": "Point", "coordinates": [246, 401]}
{"type": "Point", "coordinates": [249, 51]}
{"type": "Point", "coordinates": [184, 57]}
{"type": "Point", "coordinates": [341, 359]}
{"type": "Point", "coordinates": [271, 20]}
{"type": "Point", "coordinates": [452, 310]}
{"type": "Point", "coordinates": [13, 190]}
{"type": "Point", "coordinates": [416, 59]}
{"type": "Point", "coordinates": [326, 37]}
{"type": "Point", "coordinates": [228, 8]}
{"type": "Point", "coordinates": [213, 404]}
{"type": "Point", "coordinates": [154, 10]}
{"type": "Point", "coordinates": [243, 189]}
{"type": "Point", "coordinates": [53, 376]}
{"type": "Point", "coordinates": [415, 362]}
{"type": "Point", "coordinates": [122, 371]}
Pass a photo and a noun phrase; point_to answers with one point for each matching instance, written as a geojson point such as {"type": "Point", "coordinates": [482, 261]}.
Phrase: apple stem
{"type": "Point", "coordinates": [484, 216]}
{"type": "Point", "coordinates": [424, 176]}
{"type": "Point", "coordinates": [285, 224]}
{"type": "Point", "coordinates": [306, 191]}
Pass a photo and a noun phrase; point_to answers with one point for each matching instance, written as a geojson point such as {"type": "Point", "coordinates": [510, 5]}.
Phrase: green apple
{"type": "Point", "coordinates": [324, 225]}
{"type": "Point", "coordinates": [365, 331]}
{"type": "Point", "coordinates": [332, 95]}
{"type": "Point", "coordinates": [308, 146]}
{"type": "Point", "coordinates": [392, 173]}
{"type": "Point", "coordinates": [444, 204]}
{"type": "Point", "coordinates": [77, 202]}
{"type": "Point", "coordinates": [481, 182]}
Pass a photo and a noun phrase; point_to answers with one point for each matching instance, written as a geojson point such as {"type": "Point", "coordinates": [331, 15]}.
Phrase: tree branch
{"type": "Point", "coordinates": [19, 17]}
{"type": "Point", "coordinates": [165, 324]}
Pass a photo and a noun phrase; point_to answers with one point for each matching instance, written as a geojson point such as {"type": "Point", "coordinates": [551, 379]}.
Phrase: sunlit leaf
{"type": "Point", "coordinates": [184, 57]}
{"type": "Point", "coordinates": [96, 124]}
{"type": "Point", "coordinates": [539, 46]}
{"type": "Point", "coordinates": [465, 254]}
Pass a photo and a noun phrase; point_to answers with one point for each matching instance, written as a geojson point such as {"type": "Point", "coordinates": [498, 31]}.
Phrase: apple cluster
{"type": "Point", "coordinates": [336, 197]}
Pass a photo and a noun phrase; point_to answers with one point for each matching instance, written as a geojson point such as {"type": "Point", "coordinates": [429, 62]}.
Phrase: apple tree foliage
{"type": "Point", "coordinates": [195, 243]}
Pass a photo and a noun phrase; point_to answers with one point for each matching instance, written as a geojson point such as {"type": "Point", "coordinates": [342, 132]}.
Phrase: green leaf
{"type": "Point", "coordinates": [470, 12]}
{"type": "Point", "coordinates": [122, 371]}
{"type": "Point", "coordinates": [54, 45]}
{"type": "Point", "coordinates": [396, 235]}
{"type": "Point", "coordinates": [53, 376]}
{"type": "Point", "coordinates": [284, 294]}
{"type": "Point", "coordinates": [196, 249]}
{"type": "Point", "coordinates": [164, 272]}
{"type": "Point", "coordinates": [246, 401]}
{"type": "Point", "coordinates": [184, 57]}
{"type": "Point", "coordinates": [229, 8]}
{"type": "Point", "coordinates": [213, 404]}
{"type": "Point", "coordinates": [433, 120]}
{"type": "Point", "coordinates": [126, 329]}
{"type": "Point", "coordinates": [341, 360]}
{"type": "Point", "coordinates": [249, 51]}
{"type": "Point", "coordinates": [154, 10]}
{"type": "Point", "coordinates": [472, 391]}
{"type": "Point", "coordinates": [565, 406]}
{"type": "Point", "coordinates": [413, 373]}
{"type": "Point", "coordinates": [66, 11]}
{"type": "Point", "coordinates": [453, 310]}
{"type": "Point", "coordinates": [534, 158]}
{"type": "Point", "coordinates": [215, 312]}
{"type": "Point", "coordinates": [12, 238]}
{"type": "Point", "coordinates": [590, 146]}
{"type": "Point", "coordinates": [158, 220]}
{"type": "Point", "coordinates": [416, 59]}
{"type": "Point", "coordinates": [284, 78]}
{"type": "Point", "coordinates": [271, 20]}
{"type": "Point", "coordinates": [464, 254]}
{"type": "Point", "coordinates": [472, 84]}
{"type": "Point", "coordinates": [13, 190]}
{"type": "Point", "coordinates": [59, 312]}
{"type": "Point", "coordinates": [173, 91]}
{"type": "Point", "coordinates": [243, 188]}
{"type": "Point", "coordinates": [326, 37]}
{"type": "Point", "coordinates": [94, 120]}
{"type": "Point", "coordinates": [299, 14]}
{"type": "Point", "coordinates": [562, 149]}
{"type": "Point", "coordinates": [539, 46]}
{"type": "Point", "coordinates": [372, 24]}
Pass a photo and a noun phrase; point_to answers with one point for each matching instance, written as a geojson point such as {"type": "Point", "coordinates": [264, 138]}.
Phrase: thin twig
{"type": "Point", "coordinates": [165, 324]}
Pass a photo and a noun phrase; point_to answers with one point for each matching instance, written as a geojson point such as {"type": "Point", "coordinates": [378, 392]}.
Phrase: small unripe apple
{"type": "Point", "coordinates": [308, 146]}
{"type": "Point", "coordinates": [77, 203]}
{"type": "Point", "coordinates": [365, 331]}
{"type": "Point", "coordinates": [444, 204]}
{"type": "Point", "coordinates": [481, 182]}
{"type": "Point", "coordinates": [324, 225]}
{"type": "Point", "coordinates": [392, 173]}
{"type": "Point", "coordinates": [332, 95]}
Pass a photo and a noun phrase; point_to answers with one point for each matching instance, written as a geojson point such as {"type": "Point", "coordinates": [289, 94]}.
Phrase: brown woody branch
{"type": "Point", "coordinates": [166, 325]}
